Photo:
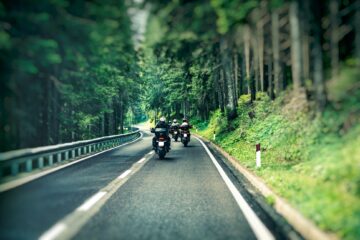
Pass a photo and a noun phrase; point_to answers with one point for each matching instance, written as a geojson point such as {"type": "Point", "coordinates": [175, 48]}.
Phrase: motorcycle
{"type": "Point", "coordinates": [185, 137]}
{"type": "Point", "coordinates": [175, 134]}
{"type": "Point", "coordinates": [162, 146]}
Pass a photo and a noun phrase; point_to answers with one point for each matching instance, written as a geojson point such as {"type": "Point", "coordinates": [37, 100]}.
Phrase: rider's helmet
{"type": "Point", "coordinates": [162, 119]}
{"type": "Point", "coordinates": [174, 121]}
{"type": "Point", "coordinates": [185, 120]}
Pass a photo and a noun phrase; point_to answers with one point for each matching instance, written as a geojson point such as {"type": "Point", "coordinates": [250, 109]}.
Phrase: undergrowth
{"type": "Point", "coordinates": [311, 159]}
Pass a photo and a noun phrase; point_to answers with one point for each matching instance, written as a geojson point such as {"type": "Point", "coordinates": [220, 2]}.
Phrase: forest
{"type": "Point", "coordinates": [283, 73]}
{"type": "Point", "coordinates": [213, 52]}
{"type": "Point", "coordinates": [69, 71]}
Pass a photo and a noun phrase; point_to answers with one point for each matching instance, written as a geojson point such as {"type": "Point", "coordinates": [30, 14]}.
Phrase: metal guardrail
{"type": "Point", "coordinates": [26, 160]}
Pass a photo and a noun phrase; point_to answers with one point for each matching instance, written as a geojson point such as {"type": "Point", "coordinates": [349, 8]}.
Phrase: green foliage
{"type": "Point", "coordinates": [346, 88]}
{"type": "Point", "coordinates": [69, 69]}
{"type": "Point", "coordinates": [270, 200]}
{"type": "Point", "coordinates": [311, 161]}
{"type": "Point", "coordinates": [231, 12]}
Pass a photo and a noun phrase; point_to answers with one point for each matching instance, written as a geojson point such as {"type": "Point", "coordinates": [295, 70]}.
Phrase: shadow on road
{"type": "Point", "coordinates": [167, 159]}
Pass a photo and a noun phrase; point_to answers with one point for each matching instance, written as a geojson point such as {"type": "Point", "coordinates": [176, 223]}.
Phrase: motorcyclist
{"type": "Point", "coordinates": [185, 126]}
{"type": "Point", "coordinates": [175, 125]}
{"type": "Point", "coordinates": [162, 124]}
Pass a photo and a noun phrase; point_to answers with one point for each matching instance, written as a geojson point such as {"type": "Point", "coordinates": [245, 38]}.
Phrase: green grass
{"type": "Point", "coordinates": [312, 160]}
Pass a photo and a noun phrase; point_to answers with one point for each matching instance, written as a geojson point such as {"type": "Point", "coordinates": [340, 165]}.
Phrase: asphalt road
{"type": "Point", "coordinates": [180, 197]}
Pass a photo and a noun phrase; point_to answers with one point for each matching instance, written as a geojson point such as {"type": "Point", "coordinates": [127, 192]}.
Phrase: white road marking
{"type": "Point", "coordinates": [259, 229]}
{"type": "Point", "coordinates": [141, 160]}
{"type": "Point", "coordinates": [89, 208]}
{"type": "Point", "coordinates": [16, 183]}
{"type": "Point", "coordinates": [53, 232]}
{"type": "Point", "coordinates": [91, 201]}
{"type": "Point", "coordinates": [124, 174]}
{"type": "Point", "coordinates": [151, 152]}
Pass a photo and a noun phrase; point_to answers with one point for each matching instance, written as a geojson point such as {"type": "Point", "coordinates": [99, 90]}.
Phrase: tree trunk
{"type": "Point", "coordinates": [106, 124]}
{"type": "Point", "coordinates": [334, 37]}
{"type": "Point", "coordinates": [319, 84]}
{"type": "Point", "coordinates": [306, 55]}
{"type": "Point", "coordinates": [121, 115]}
{"type": "Point", "coordinates": [221, 92]}
{"type": "Point", "coordinates": [256, 62]}
{"type": "Point", "coordinates": [236, 74]}
{"type": "Point", "coordinates": [270, 78]}
{"type": "Point", "coordinates": [296, 52]}
{"type": "Point", "coordinates": [357, 33]}
{"type": "Point", "coordinates": [116, 115]}
{"type": "Point", "coordinates": [228, 80]}
{"type": "Point", "coordinates": [275, 34]}
{"type": "Point", "coordinates": [260, 31]}
{"type": "Point", "coordinates": [247, 54]}
{"type": "Point", "coordinates": [242, 77]}
{"type": "Point", "coordinates": [44, 126]}
{"type": "Point", "coordinates": [252, 81]}
{"type": "Point", "coordinates": [305, 30]}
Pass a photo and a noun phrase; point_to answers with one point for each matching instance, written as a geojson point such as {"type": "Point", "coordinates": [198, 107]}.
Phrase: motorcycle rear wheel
{"type": "Point", "coordinates": [162, 155]}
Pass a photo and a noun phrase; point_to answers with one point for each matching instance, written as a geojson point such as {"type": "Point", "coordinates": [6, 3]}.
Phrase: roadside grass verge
{"type": "Point", "coordinates": [312, 160]}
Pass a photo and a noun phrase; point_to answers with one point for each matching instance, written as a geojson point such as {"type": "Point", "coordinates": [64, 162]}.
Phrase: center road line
{"type": "Point", "coordinates": [67, 227]}
{"type": "Point", "coordinates": [53, 232]}
{"type": "Point", "coordinates": [124, 174]}
{"type": "Point", "coordinates": [258, 227]}
{"type": "Point", "coordinates": [141, 160]}
{"type": "Point", "coordinates": [91, 201]}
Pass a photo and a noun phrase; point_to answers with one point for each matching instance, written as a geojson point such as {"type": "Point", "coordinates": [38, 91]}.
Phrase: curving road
{"type": "Point", "coordinates": [128, 193]}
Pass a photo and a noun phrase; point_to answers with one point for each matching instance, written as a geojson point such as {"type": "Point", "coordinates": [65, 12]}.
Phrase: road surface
{"type": "Point", "coordinates": [128, 193]}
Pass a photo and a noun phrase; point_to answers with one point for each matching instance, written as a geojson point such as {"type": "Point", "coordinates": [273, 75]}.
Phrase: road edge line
{"type": "Point", "coordinates": [257, 226]}
{"type": "Point", "coordinates": [299, 222]}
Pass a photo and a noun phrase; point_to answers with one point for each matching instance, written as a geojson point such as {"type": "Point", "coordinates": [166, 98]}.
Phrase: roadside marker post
{"type": "Point", "coordinates": [258, 156]}
{"type": "Point", "coordinates": [214, 136]}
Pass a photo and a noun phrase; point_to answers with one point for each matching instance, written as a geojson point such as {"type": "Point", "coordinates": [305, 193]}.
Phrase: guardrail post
{"type": "Point", "coordinates": [51, 160]}
{"type": "Point", "coordinates": [79, 151]}
{"type": "Point", "coordinates": [41, 162]}
{"type": "Point", "coordinates": [84, 150]}
{"type": "Point", "coordinates": [28, 165]}
{"type": "Point", "coordinates": [66, 155]}
{"type": "Point", "coordinates": [14, 169]}
{"type": "Point", "coordinates": [58, 157]}
{"type": "Point", "coordinates": [73, 153]}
